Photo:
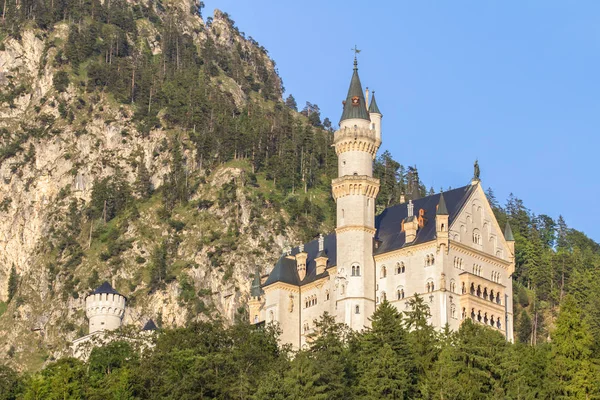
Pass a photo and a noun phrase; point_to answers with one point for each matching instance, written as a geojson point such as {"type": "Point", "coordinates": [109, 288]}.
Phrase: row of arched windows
{"type": "Point", "coordinates": [482, 317]}
{"type": "Point", "coordinates": [306, 327]}
{"type": "Point", "coordinates": [400, 294]}
{"type": "Point", "coordinates": [429, 260]}
{"type": "Point", "coordinates": [458, 263]}
{"type": "Point", "coordinates": [356, 270]}
{"type": "Point", "coordinates": [477, 270]}
{"type": "Point", "coordinates": [453, 286]}
{"type": "Point", "coordinates": [495, 276]}
{"type": "Point", "coordinates": [310, 301]}
{"type": "Point", "coordinates": [484, 293]}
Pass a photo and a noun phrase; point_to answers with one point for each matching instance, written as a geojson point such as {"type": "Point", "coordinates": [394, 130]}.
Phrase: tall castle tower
{"type": "Point", "coordinates": [104, 308]}
{"type": "Point", "coordinates": [355, 190]}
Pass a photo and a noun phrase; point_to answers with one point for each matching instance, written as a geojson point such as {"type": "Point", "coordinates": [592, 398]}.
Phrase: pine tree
{"type": "Point", "coordinates": [143, 183]}
{"type": "Point", "coordinates": [13, 282]}
{"type": "Point", "coordinates": [572, 365]}
{"type": "Point", "coordinates": [290, 102]}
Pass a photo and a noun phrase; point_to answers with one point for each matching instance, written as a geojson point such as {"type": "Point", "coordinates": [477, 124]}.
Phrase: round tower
{"type": "Point", "coordinates": [105, 308]}
{"type": "Point", "coordinates": [355, 190]}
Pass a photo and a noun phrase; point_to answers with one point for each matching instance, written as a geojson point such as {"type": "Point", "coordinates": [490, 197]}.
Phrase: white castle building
{"type": "Point", "coordinates": [447, 248]}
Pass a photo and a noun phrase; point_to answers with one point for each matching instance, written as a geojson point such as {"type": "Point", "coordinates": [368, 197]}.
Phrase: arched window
{"type": "Point", "coordinates": [327, 295]}
{"type": "Point", "coordinates": [357, 310]}
{"type": "Point", "coordinates": [432, 259]}
{"type": "Point", "coordinates": [354, 270]}
{"type": "Point", "coordinates": [256, 319]}
{"type": "Point", "coordinates": [428, 287]}
{"type": "Point", "coordinates": [383, 272]}
{"type": "Point", "coordinates": [400, 294]}
{"type": "Point", "coordinates": [432, 286]}
{"type": "Point", "coordinates": [453, 312]}
{"type": "Point", "coordinates": [271, 316]}
{"type": "Point", "coordinates": [398, 269]}
{"type": "Point", "coordinates": [383, 296]}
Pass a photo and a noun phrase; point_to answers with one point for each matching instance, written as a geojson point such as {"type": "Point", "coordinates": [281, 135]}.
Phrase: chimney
{"type": "Point", "coordinates": [321, 259]}
{"type": "Point", "coordinates": [410, 224]}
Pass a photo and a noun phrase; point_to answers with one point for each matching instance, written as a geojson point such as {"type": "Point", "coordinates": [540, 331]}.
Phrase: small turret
{"type": "Point", "coordinates": [256, 288]}
{"type": "Point", "coordinates": [510, 241]}
{"type": "Point", "coordinates": [321, 259]}
{"type": "Point", "coordinates": [256, 299]}
{"type": "Point", "coordinates": [105, 308]}
{"type": "Point", "coordinates": [375, 116]}
{"type": "Point", "coordinates": [441, 222]}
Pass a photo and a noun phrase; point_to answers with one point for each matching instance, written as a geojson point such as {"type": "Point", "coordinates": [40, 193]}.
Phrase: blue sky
{"type": "Point", "coordinates": [514, 84]}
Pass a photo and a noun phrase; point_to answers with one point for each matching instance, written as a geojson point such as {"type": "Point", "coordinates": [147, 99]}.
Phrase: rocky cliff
{"type": "Point", "coordinates": [88, 168]}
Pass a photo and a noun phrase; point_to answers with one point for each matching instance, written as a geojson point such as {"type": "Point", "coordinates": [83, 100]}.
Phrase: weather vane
{"type": "Point", "coordinates": [355, 50]}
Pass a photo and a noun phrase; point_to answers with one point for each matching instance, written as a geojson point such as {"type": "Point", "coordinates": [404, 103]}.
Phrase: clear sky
{"type": "Point", "coordinates": [514, 84]}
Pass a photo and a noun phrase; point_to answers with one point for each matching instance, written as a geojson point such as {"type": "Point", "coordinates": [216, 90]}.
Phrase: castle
{"type": "Point", "coordinates": [447, 248]}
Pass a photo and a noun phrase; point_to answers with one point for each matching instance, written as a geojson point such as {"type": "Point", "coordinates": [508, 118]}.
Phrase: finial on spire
{"type": "Point", "coordinates": [356, 51]}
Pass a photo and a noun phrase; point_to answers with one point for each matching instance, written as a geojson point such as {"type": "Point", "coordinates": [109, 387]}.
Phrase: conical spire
{"type": "Point", "coordinates": [508, 235]}
{"type": "Point", "coordinates": [373, 107]}
{"type": "Point", "coordinates": [441, 208]}
{"type": "Point", "coordinates": [255, 289]}
{"type": "Point", "coordinates": [355, 105]}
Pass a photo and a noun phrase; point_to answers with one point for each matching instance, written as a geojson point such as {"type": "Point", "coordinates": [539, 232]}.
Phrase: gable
{"type": "Point", "coordinates": [476, 226]}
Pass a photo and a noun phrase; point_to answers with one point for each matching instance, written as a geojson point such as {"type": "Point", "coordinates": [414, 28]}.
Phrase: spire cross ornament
{"type": "Point", "coordinates": [356, 51]}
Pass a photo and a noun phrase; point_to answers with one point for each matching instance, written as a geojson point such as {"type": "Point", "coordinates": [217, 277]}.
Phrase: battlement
{"type": "Point", "coordinates": [105, 311]}
{"type": "Point", "coordinates": [356, 139]}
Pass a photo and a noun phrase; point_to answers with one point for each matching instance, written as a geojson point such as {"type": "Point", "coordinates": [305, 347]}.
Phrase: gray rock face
{"type": "Point", "coordinates": [41, 182]}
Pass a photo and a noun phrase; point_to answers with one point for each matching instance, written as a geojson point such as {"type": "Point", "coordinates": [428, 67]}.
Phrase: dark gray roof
{"type": "Point", "coordinates": [285, 269]}
{"type": "Point", "coordinates": [150, 326]}
{"type": "Point", "coordinates": [355, 110]}
{"type": "Point", "coordinates": [105, 288]}
{"type": "Point", "coordinates": [389, 222]}
{"type": "Point", "coordinates": [373, 107]}
{"type": "Point", "coordinates": [389, 235]}
{"type": "Point", "coordinates": [441, 208]}
{"type": "Point", "coordinates": [508, 235]}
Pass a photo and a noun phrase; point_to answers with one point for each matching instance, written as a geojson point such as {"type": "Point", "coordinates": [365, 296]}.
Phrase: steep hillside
{"type": "Point", "coordinates": [142, 145]}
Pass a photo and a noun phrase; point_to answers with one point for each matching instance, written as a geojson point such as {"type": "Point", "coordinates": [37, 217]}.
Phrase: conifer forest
{"type": "Point", "coordinates": [206, 142]}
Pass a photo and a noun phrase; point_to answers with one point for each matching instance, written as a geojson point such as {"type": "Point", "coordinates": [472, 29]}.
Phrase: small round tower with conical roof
{"type": "Point", "coordinates": [105, 308]}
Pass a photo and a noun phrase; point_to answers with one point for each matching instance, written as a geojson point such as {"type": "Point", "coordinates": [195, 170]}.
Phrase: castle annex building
{"type": "Point", "coordinates": [448, 248]}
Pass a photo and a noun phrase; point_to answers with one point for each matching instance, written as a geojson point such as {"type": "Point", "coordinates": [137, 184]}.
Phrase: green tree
{"type": "Point", "coordinates": [572, 365]}
{"type": "Point", "coordinates": [290, 102]}
{"type": "Point", "coordinates": [143, 182]}
{"type": "Point", "coordinates": [13, 282]}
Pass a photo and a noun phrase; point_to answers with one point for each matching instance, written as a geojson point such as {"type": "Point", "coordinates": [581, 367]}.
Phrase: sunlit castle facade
{"type": "Point", "coordinates": [448, 248]}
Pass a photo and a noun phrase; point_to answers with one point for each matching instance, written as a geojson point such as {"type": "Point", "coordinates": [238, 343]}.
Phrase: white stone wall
{"type": "Point", "coordinates": [104, 311]}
